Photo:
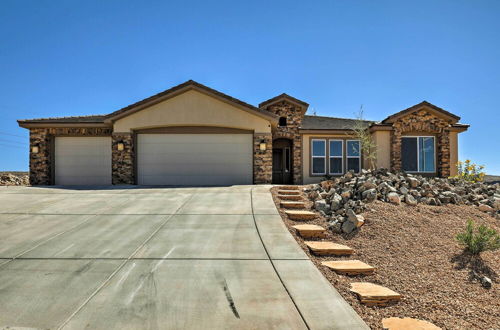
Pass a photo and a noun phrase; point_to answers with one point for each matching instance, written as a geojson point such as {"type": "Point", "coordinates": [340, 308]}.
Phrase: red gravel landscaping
{"type": "Point", "coordinates": [414, 251]}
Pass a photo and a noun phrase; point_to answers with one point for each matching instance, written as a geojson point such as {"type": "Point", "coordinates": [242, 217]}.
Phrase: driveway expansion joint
{"type": "Point", "coordinates": [108, 279]}
{"type": "Point", "coordinates": [272, 263]}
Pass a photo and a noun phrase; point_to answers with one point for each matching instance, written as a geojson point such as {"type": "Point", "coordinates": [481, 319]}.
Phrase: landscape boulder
{"type": "Point", "coordinates": [342, 198]}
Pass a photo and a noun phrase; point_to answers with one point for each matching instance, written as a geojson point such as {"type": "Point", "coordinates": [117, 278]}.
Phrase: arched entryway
{"type": "Point", "coordinates": [282, 161]}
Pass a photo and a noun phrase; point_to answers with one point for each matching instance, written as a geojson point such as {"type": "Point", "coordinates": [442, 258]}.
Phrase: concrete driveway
{"type": "Point", "coordinates": [158, 258]}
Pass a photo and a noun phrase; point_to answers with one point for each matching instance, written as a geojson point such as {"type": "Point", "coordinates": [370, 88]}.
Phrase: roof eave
{"type": "Point", "coordinates": [325, 130]}
{"type": "Point", "coordinates": [52, 124]}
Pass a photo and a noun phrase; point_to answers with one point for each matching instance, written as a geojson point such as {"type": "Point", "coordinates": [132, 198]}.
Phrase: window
{"type": "Point", "coordinates": [353, 150]}
{"type": "Point", "coordinates": [318, 153]}
{"type": "Point", "coordinates": [336, 156]}
{"type": "Point", "coordinates": [282, 121]}
{"type": "Point", "coordinates": [287, 159]}
{"type": "Point", "coordinates": [418, 154]}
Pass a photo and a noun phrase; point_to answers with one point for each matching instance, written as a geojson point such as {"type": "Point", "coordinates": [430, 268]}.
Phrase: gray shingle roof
{"type": "Point", "coordinates": [319, 122]}
{"type": "Point", "coordinates": [75, 119]}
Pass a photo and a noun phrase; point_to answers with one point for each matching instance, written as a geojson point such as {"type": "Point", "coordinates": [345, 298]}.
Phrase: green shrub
{"type": "Point", "coordinates": [476, 240]}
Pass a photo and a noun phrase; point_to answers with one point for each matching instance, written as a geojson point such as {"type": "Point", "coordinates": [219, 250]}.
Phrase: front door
{"type": "Point", "coordinates": [282, 162]}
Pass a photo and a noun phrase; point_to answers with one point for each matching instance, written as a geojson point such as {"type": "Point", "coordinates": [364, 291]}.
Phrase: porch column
{"type": "Point", "coordinates": [262, 160]}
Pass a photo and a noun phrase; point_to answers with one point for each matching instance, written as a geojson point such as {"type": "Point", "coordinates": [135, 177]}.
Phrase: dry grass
{"type": "Point", "coordinates": [415, 254]}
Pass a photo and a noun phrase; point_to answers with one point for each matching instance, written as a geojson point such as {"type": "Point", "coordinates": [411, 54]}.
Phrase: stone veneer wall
{"type": "Point", "coordinates": [294, 116]}
{"type": "Point", "coordinates": [425, 122]}
{"type": "Point", "coordinates": [41, 163]}
{"type": "Point", "coordinates": [123, 162]}
{"type": "Point", "coordinates": [262, 160]}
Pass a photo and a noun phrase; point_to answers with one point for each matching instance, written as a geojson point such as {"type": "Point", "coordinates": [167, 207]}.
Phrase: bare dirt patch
{"type": "Point", "coordinates": [414, 251]}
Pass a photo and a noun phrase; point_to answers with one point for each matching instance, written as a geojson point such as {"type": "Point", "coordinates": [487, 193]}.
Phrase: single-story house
{"type": "Point", "coordinates": [194, 135]}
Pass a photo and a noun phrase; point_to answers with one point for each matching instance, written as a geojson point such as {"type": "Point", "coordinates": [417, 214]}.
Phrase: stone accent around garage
{"type": "Point", "coordinates": [427, 123]}
{"type": "Point", "coordinates": [294, 115]}
{"type": "Point", "coordinates": [123, 161]}
{"type": "Point", "coordinates": [262, 160]}
{"type": "Point", "coordinates": [41, 163]}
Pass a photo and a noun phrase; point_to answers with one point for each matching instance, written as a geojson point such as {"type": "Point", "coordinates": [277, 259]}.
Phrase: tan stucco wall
{"type": "Point", "coordinates": [192, 108]}
{"type": "Point", "coordinates": [382, 140]}
{"type": "Point", "coordinates": [453, 153]}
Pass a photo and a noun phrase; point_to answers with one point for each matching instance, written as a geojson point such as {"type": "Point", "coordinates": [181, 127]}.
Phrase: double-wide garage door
{"type": "Point", "coordinates": [194, 159]}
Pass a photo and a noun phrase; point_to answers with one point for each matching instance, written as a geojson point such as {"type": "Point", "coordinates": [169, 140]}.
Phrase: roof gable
{"type": "Point", "coordinates": [422, 105]}
{"type": "Point", "coordinates": [285, 97]}
{"type": "Point", "coordinates": [184, 87]}
{"type": "Point", "coordinates": [152, 100]}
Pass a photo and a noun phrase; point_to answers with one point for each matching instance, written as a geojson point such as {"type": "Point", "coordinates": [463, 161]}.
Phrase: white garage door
{"type": "Point", "coordinates": [83, 160]}
{"type": "Point", "coordinates": [194, 159]}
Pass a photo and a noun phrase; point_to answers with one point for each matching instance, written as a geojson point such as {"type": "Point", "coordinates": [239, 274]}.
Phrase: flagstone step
{"type": "Point", "coordinates": [290, 197]}
{"type": "Point", "coordinates": [396, 323]}
{"type": "Point", "coordinates": [288, 192]}
{"type": "Point", "coordinates": [300, 215]}
{"type": "Point", "coordinates": [310, 231]}
{"type": "Point", "coordinates": [328, 248]}
{"type": "Point", "coordinates": [293, 205]}
{"type": "Point", "coordinates": [374, 295]}
{"type": "Point", "coordinates": [289, 187]}
{"type": "Point", "coordinates": [349, 267]}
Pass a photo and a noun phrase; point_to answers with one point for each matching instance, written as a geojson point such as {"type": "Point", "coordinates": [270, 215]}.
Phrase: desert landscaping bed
{"type": "Point", "coordinates": [414, 251]}
{"type": "Point", "coordinates": [14, 179]}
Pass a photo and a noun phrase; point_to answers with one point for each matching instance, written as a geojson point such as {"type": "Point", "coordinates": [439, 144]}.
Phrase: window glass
{"type": "Point", "coordinates": [335, 148]}
{"type": "Point", "coordinates": [426, 154]}
{"type": "Point", "coordinates": [287, 160]}
{"type": "Point", "coordinates": [418, 154]}
{"type": "Point", "coordinates": [409, 155]}
{"type": "Point", "coordinates": [336, 165]}
{"type": "Point", "coordinates": [318, 165]}
{"type": "Point", "coordinates": [353, 148]}
{"type": "Point", "coordinates": [318, 147]}
{"type": "Point", "coordinates": [282, 121]}
{"type": "Point", "coordinates": [353, 164]}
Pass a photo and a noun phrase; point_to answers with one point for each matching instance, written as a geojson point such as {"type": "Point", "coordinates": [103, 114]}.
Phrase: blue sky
{"type": "Point", "coordinates": [63, 58]}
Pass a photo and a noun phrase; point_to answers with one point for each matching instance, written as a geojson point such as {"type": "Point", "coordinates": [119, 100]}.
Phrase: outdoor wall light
{"type": "Point", "coordinates": [35, 149]}
{"type": "Point", "coordinates": [263, 145]}
{"type": "Point", "coordinates": [120, 146]}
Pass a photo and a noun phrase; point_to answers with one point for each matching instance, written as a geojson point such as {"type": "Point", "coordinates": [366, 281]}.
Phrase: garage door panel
{"type": "Point", "coordinates": [195, 159]}
{"type": "Point", "coordinates": [83, 160]}
{"type": "Point", "coordinates": [194, 169]}
{"type": "Point", "coordinates": [193, 180]}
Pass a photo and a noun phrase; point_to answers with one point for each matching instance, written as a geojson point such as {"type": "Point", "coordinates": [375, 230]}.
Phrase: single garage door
{"type": "Point", "coordinates": [194, 159]}
{"type": "Point", "coordinates": [82, 160]}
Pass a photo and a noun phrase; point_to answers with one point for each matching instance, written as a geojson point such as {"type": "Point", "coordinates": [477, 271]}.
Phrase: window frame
{"type": "Point", "coordinates": [418, 153]}
{"type": "Point", "coordinates": [341, 156]}
{"type": "Point", "coordinates": [347, 155]}
{"type": "Point", "coordinates": [325, 140]}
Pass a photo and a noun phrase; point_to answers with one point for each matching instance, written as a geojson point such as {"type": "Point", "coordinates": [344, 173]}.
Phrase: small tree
{"type": "Point", "coordinates": [477, 240]}
{"type": "Point", "coordinates": [367, 145]}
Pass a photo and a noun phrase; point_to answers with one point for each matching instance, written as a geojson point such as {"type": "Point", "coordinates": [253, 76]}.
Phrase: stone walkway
{"type": "Point", "coordinates": [369, 294]}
